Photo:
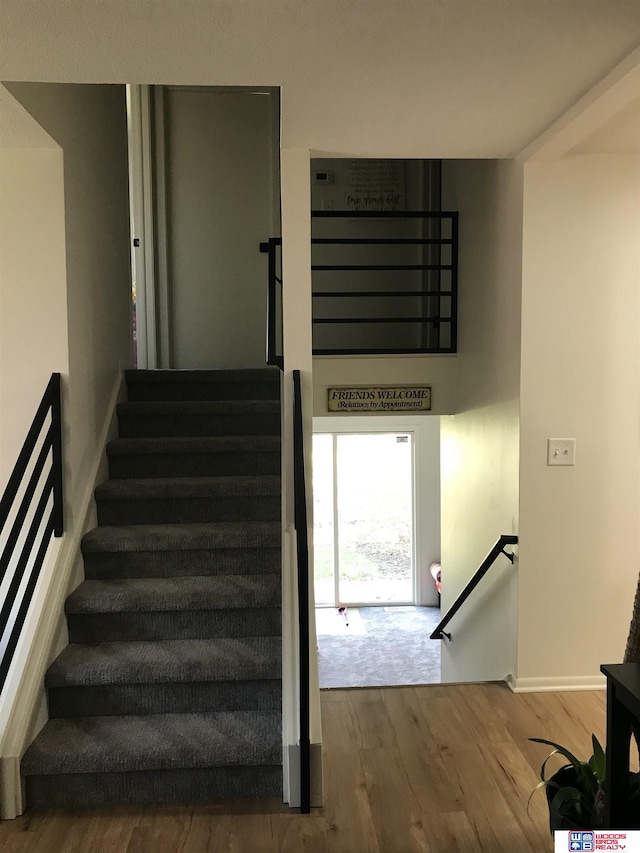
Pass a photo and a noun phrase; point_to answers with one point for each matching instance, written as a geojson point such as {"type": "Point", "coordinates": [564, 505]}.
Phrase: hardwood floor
{"type": "Point", "coordinates": [435, 769]}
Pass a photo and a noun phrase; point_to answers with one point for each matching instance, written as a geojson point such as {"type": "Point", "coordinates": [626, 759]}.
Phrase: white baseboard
{"type": "Point", "coordinates": [556, 684]}
{"type": "Point", "coordinates": [26, 674]}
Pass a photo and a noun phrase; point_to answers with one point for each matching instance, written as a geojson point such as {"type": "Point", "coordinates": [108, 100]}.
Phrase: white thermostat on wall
{"type": "Point", "coordinates": [323, 177]}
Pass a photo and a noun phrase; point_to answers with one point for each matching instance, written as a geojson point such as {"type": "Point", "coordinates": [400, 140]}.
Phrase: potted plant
{"type": "Point", "coordinates": [575, 792]}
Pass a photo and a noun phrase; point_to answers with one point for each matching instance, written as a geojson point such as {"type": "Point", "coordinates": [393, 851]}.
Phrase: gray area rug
{"type": "Point", "coordinates": [380, 647]}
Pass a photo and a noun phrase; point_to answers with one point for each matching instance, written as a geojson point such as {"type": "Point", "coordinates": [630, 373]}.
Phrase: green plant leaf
{"type": "Point", "coordinates": [566, 801]}
{"type": "Point", "coordinates": [538, 786]}
{"type": "Point", "coordinates": [584, 774]}
{"type": "Point", "coordinates": [558, 748]}
{"type": "Point", "coordinates": [598, 761]}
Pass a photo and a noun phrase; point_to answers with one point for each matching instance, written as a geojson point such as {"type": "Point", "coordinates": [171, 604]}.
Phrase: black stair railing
{"type": "Point", "coordinates": [385, 282]}
{"type": "Point", "coordinates": [274, 302]}
{"type": "Point", "coordinates": [302, 544]}
{"type": "Point", "coordinates": [483, 568]}
{"type": "Point", "coordinates": [26, 544]}
{"type": "Point", "coordinates": [403, 301]}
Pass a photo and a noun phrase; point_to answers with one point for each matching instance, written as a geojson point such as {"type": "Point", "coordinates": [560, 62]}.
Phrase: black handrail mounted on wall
{"type": "Point", "coordinates": [29, 556]}
{"type": "Point", "coordinates": [481, 571]}
{"type": "Point", "coordinates": [302, 543]}
{"type": "Point", "coordinates": [274, 302]}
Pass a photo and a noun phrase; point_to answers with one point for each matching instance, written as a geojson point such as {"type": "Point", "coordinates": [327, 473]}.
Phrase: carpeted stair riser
{"type": "Point", "coordinates": [181, 625]}
{"type": "Point", "coordinates": [189, 537]}
{"type": "Point", "coordinates": [180, 551]}
{"type": "Point", "coordinates": [261, 384]}
{"type": "Point", "coordinates": [192, 465]}
{"type": "Point", "coordinates": [165, 698]}
{"type": "Point", "coordinates": [185, 510]}
{"type": "Point", "coordinates": [145, 392]}
{"type": "Point", "coordinates": [145, 609]}
{"type": "Point", "coordinates": [85, 790]}
{"type": "Point", "coordinates": [148, 420]}
{"type": "Point", "coordinates": [188, 500]}
{"type": "Point", "coordinates": [164, 564]}
{"type": "Point", "coordinates": [148, 595]}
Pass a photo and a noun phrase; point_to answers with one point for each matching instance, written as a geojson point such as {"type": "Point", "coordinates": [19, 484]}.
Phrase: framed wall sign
{"type": "Point", "coordinates": [380, 398]}
{"type": "Point", "coordinates": [374, 185]}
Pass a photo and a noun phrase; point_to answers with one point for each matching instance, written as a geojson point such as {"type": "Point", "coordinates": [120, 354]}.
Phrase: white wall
{"type": "Point", "coordinates": [65, 306]}
{"type": "Point", "coordinates": [33, 289]}
{"type": "Point", "coordinates": [440, 372]}
{"type": "Point", "coordinates": [89, 124]}
{"type": "Point", "coordinates": [479, 445]}
{"type": "Point", "coordinates": [426, 436]}
{"type": "Point", "coordinates": [220, 191]}
{"type": "Point", "coordinates": [33, 344]}
{"type": "Point", "coordinates": [33, 319]}
{"type": "Point", "coordinates": [579, 545]}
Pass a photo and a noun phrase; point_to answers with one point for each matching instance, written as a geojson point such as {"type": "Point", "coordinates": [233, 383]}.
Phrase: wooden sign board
{"type": "Point", "coordinates": [382, 398]}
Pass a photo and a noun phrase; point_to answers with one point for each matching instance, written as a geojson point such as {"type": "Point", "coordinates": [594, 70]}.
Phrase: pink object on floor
{"type": "Point", "coordinates": [436, 571]}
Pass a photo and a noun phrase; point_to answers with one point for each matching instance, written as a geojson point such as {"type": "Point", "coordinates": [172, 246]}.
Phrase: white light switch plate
{"type": "Point", "coordinates": [561, 451]}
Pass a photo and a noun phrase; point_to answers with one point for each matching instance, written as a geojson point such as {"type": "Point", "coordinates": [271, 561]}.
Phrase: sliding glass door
{"type": "Point", "coordinates": [363, 518]}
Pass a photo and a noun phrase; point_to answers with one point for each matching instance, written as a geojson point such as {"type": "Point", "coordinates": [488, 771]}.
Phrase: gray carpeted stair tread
{"type": "Point", "coordinates": [182, 537]}
{"type": "Point", "coordinates": [138, 595]}
{"type": "Point", "coordinates": [155, 742]}
{"type": "Point", "coordinates": [163, 661]}
{"type": "Point", "coordinates": [195, 444]}
{"type": "Point", "coordinates": [170, 488]}
{"type": "Point", "coordinates": [230, 374]}
{"type": "Point", "coordinates": [176, 408]}
{"type": "Point", "coordinates": [180, 616]}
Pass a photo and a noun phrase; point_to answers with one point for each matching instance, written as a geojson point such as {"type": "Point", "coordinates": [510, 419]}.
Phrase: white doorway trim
{"type": "Point", "coordinates": [364, 431]}
{"type": "Point", "coordinates": [426, 450]}
{"type": "Point", "coordinates": [141, 214]}
{"type": "Point", "coordinates": [157, 133]}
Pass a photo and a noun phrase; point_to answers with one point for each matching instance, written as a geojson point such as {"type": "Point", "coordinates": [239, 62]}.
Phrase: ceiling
{"type": "Point", "coordinates": [368, 78]}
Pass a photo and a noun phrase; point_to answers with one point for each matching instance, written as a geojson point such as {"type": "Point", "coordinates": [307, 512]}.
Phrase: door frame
{"type": "Point", "coordinates": [427, 487]}
{"type": "Point", "coordinates": [363, 426]}
{"type": "Point", "coordinates": [141, 212]}
{"type": "Point", "coordinates": [155, 190]}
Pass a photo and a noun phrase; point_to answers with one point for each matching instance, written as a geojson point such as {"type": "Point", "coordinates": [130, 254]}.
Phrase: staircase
{"type": "Point", "coordinates": [170, 688]}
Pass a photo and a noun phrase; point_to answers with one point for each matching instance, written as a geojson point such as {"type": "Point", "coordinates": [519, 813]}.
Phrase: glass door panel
{"type": "Point", "coordinates": [374, 497]}
{"type": "Point", "coordinates": [323, 513]}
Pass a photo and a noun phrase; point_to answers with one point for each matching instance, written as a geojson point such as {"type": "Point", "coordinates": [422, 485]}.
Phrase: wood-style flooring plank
{"type": "Point", "coordinates": [295, 833]}
{"type": "Point", "coordinates": [514, 782]}
{"type": "Point", "coordinates": [400, 825]}
{"type": "Point", "coordinates": [347, 813]}
{"type": "Point", "coordinates": [435, 769]}
{"type": "Point", "coordinates": [435, 788]}
{"type": "Point", "coordinates": [453, 832]}
{"type": "Point", "coordinates": [373, 728]}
